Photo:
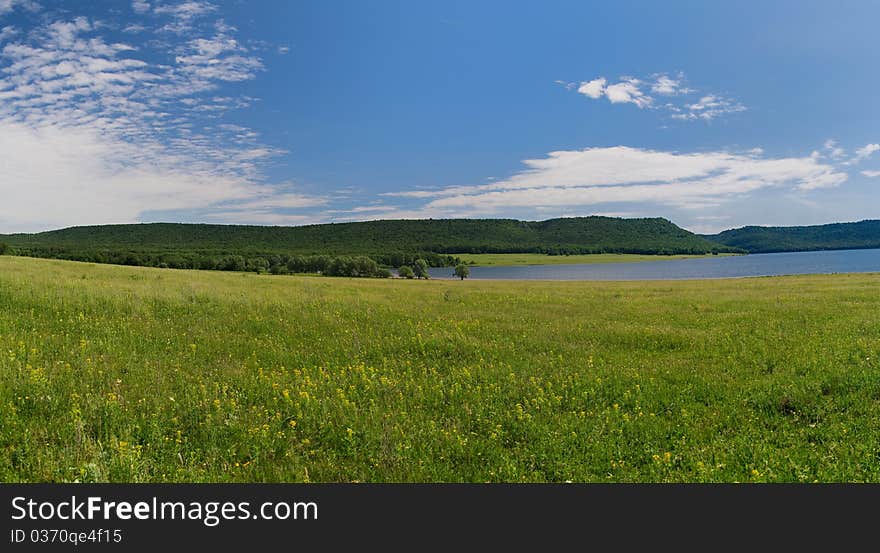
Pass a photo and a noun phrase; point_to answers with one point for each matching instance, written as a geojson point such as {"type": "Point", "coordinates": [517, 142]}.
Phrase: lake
{"type": "Point", "coordinates": [753, 265]}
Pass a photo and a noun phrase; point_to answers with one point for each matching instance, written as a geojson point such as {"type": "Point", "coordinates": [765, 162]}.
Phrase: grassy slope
{"type": "Point", "coordinates": [487, 259]}
{"type": "Point", "coordinates": [133, 374]}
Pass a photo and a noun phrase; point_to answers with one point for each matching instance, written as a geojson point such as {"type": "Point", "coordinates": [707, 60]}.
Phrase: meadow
{"type": "Point", "coordinates": [497, 259]}
{"type": "Point", "coordinates": [131, 374]}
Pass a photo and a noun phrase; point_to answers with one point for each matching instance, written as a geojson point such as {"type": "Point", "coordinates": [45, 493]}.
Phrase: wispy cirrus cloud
{"type": "Point", "coordinates": [708, 108]}
{"type": "Point", "coordinates": [658, 92]}
{"type": "Point", "coordinates": [625, 175]}
{"type": "Point", "coordinates": [219, 58]}
{"type": "Point", "coordinates": [140, 6]}
{"type": "Point", "coordinates": [182, 15]}
{"type": "Point", "coordinates": [94, 130]}
{"type": "Point", "coordinates": [864, 153]}
{"type": "Point", "coordinates": [6, 6]}
{"type": "Point", "coordinates": [831, 150]}
{"type": "Point", "coordinates": [185, 10]}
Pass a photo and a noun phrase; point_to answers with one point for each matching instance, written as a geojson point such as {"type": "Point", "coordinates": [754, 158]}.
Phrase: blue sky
{"type": "Point", "coordinates": [714, 115]}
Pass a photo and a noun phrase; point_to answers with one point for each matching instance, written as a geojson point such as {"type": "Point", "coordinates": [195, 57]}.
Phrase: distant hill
{"type": "Point", "coordinates": [836, 236]}
{"type": "Point", "coordinates": [568, 235]}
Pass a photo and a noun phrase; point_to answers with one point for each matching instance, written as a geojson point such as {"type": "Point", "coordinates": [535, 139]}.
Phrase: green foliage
{"type": "Point", "coordinates": [257, 265]}
{"type": "Point", "coordinates": [837, 236]}
{"type": "Point", "coordinates": [276, 264]}
{"type": "Point", "coordinates": [462, 271]}
{"type": "Point", "coordinates": [359, 266]}
{"type": "Point", "coordinates": [129, 374]}
{"type": "Point", "coordinates": [420, 269]}
{"type": "Point", "coordinates": [4, 248]}
{"type": "Point", "coordinates": [389, 243]}
{"type": "Point", "coordinates": [406, 272]}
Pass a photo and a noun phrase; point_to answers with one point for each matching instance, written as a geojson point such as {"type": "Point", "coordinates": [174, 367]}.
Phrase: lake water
{"type": "Point", "coordinates": [767, 264]}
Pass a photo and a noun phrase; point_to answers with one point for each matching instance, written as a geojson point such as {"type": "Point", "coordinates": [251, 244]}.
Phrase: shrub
{"type": "Point", "coordinates": [420, 268]}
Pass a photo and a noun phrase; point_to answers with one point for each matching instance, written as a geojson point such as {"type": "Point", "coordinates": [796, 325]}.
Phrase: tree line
{"type": "Point", "coordinates": [834, 236]}
{"type": "Point", "coordinates": [378, 239]}
{"type": "Point", "coordinates": [355, 249]}
{"type": "Point", "coordinates": [277, 264]}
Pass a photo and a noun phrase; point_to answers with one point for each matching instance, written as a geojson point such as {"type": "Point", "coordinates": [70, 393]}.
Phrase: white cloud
{"type": "Point", "coordinates": [709, 107]}
{"type": "Point", "coordinates": [222, 27]}
{"type": "Point", "coordinates": [56, 176]}
{"type": "Point", "coordinates": [833, 150]}
{"type": "Point", "coordinates": [368, 208]}
{"type": "Point", "coordinates": [7, 33]}
{"type": "Point", "coordinates": [275, 200]}
{"type": "Point", "coordinates": [667, 86]}
{"type": "Point", "coordinates": [183, 15]}
{"type": "Point", "coordinates": [627, 91]}
{"type": "Point", "coordinates": [7, 6]}
{"type": "Point", "coordinates": [593, 89]}
{"type": "Point", "coordinates": [864, 153]}
{"type": "Point", "coordinates": [566, 84]}
{"type": "Point", "coordinates": [251, 217]}
{"type": "Point", "coordinates": [631, 90]}
{"type": "Point", "coordinates": [91, 132]}
{"type": "Point", "coordinates": [871, 173]}
{"type": "Point", "coordinates": [185, 10]}
{"type": "Point", "coordinates": [218, 58]}
{"type": "Point", "coordinates": [623, 175]}
{"type": "Point", "coordinates": [398, 213]}
{"type": "Point", "coordinates": [140, 6]}
{"type": "Point", "coordinates": [353, 212]}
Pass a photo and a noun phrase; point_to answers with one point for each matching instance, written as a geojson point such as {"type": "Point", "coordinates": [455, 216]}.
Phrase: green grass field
{"type": "Point", "coordinates": [131, 374]}
{"type": "Point", "coordinates": [486, 259]}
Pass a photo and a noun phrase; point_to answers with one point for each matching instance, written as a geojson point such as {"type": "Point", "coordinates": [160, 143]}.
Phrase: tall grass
{"type": "Point", "coordinates": [135, 375]}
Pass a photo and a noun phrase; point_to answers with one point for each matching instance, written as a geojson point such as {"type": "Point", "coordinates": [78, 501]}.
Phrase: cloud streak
{"type": "Point", "coordinates": [621, 175]}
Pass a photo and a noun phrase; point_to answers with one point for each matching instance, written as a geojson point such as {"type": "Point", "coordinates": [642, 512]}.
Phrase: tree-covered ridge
{"type": "Point", "coordinates": [378, 239]}
{"type": "Point", "coordinates": [836, 236]}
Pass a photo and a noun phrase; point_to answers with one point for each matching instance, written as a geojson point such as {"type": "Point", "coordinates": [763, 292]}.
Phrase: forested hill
{"type": "Point", "coordinates": [378, 238]}
{"type": "Point", "coordinates": [836, 236]}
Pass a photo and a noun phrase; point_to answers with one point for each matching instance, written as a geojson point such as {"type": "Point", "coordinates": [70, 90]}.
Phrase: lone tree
{"type": "Point", "coordinates": [462, 271]}
{"type": "Point", "coordinates": [420, 268]}
{"type": "Point", "coordinates": [405, 272]}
